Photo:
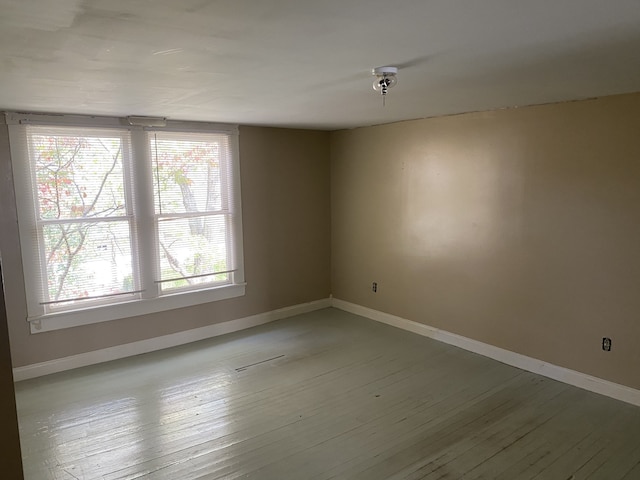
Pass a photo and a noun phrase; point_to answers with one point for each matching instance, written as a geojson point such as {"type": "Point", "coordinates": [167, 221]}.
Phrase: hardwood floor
{"type": "Point", "coordinates": [319, 396]}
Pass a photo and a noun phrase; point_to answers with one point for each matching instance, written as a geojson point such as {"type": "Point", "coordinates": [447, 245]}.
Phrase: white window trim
{"type": "Point", "coordinates": [148, 302]}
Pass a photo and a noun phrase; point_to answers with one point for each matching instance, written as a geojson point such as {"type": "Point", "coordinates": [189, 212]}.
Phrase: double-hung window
{"type": "Point", "coordinates": [118, 220]}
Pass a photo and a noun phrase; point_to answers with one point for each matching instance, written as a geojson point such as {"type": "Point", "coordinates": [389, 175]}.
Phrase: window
{"type": "Point", "coordinates": [193, 209]}
{"type": "Point", "coordinates": [119, 221]}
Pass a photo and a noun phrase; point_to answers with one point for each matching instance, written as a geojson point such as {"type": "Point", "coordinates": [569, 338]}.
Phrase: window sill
{"type": "Point", "coordinates": [105, 313]}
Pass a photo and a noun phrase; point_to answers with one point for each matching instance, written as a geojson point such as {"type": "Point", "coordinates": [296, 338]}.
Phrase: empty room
{"type": "Point", "coordinates": [320, 240]}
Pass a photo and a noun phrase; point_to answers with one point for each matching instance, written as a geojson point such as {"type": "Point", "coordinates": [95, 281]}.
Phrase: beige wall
{"type": "Point", "coordinates": [519, 228]}
{"type": "Point", "coordinates": [286, 221]}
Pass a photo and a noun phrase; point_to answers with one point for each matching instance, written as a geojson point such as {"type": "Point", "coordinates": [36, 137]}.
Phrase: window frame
{"type": "Point", "coordinates": [151, 299]}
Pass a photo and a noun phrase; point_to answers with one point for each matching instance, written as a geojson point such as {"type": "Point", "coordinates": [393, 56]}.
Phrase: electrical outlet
{"type": "Point", "coordinates": [374, 287]}
{"type": "Point", "coordinates": [606, 344]}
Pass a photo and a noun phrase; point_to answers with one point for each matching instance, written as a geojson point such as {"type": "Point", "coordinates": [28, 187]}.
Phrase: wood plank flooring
{"type": "Point", "coordinates": [326, 395]}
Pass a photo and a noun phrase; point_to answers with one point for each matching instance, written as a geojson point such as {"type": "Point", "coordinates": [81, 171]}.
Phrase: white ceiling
{"type": "Point", "coordinates": [300, 63]}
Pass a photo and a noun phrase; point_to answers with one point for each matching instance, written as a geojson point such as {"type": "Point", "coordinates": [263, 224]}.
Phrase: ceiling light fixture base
{"type": "Point", "coordinates": [386, 78]}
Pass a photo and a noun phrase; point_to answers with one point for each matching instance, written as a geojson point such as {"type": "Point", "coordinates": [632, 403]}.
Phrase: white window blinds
{"type": "Point", "coordinates": [83, 228]}
{"type": "Point", "coordinates": [194, 208]}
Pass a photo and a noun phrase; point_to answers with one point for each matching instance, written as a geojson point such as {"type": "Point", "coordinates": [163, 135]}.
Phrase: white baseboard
{"type": "Point", "coordinates": [571, 377]}
{"type": "Point", "coordinates": [166, 341]}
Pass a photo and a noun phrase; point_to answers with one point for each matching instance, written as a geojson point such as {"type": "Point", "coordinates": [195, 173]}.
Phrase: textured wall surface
{"type": "Point", "coordinates": [518, 228]}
